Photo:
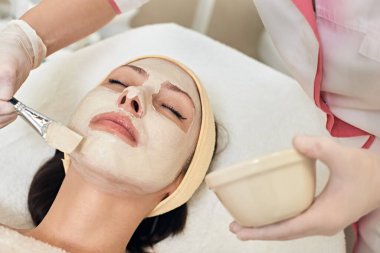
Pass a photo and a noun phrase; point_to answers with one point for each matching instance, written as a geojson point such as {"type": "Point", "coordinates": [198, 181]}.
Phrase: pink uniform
{"type": "Point", "coordinates": [334, 53]}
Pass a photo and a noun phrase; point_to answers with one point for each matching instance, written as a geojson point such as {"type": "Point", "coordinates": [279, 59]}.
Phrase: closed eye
{"type": "Point", "coordinates": [174, 111]}
{"type": "Point", "coordinates": [114, 81]}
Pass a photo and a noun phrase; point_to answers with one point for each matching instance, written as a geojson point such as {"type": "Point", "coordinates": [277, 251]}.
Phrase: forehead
{"type": "Point", "coordinates": [160, 71]}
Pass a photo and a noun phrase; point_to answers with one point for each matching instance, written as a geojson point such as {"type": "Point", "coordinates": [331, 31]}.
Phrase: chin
{"type": "Point", "coordinates": [107, 181]}
{"type": "Point", "coordinates": [114, 166]}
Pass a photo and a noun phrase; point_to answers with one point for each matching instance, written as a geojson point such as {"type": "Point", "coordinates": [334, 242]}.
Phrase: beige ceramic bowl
{"type": "Point", "coordinates": [266, 190]}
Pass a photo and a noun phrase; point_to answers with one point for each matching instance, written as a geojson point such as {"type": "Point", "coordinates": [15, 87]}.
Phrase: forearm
{"type": "Point", "coordinates": [62, 22]}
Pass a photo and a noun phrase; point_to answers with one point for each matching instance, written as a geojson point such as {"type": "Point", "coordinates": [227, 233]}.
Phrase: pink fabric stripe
{"type": "Point", "coordinates": [334, 125]}
{"type": "Point", "coordinates": [369, 142]}
{"type": "Point", "coordinates": [115, 6]}
{"type": "Point", "coordinates": [306, 8]}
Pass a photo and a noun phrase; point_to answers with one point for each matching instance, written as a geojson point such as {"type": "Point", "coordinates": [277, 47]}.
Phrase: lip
{"type": "Point", "coordinates": [117, 124]}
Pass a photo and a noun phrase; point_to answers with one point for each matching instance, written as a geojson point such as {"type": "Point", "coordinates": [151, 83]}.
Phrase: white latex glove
{"type": "Point", "coordinates": [21, 50]}
{"type": "Point", "coordinates": [351, 192]}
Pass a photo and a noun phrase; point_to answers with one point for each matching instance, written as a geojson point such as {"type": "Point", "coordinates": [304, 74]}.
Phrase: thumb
{"type": "Point", "coordinates": [319, 148]}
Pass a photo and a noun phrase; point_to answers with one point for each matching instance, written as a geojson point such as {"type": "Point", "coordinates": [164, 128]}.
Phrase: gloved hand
{"type": "Point", "coordinates": [21, 50]}
{"type": "Point", "coordinates": [351, 192]}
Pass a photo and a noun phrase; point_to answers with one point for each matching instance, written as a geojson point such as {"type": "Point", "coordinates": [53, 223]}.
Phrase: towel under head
{"type": "Point", "coordinates": [13, 242]}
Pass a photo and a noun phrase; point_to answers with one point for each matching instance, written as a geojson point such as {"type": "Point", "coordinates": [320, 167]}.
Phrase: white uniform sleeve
{"type": "Point", "coordinates": [121, 6]}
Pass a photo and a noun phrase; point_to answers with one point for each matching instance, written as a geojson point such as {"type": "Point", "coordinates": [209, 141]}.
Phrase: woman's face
{"type": "Point", "coordinates": [141, 125]}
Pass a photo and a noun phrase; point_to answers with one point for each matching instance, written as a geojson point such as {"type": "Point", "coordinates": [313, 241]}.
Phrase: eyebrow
{"type": "Point", "coordinates": [139, 70]}
{"type": "Point", "coordinates": [175, 88]}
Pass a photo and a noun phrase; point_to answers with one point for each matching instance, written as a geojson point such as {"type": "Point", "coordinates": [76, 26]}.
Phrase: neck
{"type": "Point", "coordinates": [85, 219]}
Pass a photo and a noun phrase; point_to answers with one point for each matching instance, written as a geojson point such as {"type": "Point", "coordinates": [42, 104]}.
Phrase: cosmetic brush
{"type": "Point", "coordinates": [54, 133]}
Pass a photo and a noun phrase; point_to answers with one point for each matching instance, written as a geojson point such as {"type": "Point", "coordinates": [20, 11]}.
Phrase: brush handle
{"type": "Point", "coordinates": [13, 101]}
{"type": "Point", "coordinates": [37, 120]}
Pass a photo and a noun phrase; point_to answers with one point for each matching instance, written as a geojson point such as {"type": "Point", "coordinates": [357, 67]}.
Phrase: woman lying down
{"type": "Point", "coordinates": [149, 140]}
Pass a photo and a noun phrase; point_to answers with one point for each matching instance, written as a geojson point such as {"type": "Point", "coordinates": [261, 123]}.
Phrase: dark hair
{"type": "Point", "coordinates": [45, 186]}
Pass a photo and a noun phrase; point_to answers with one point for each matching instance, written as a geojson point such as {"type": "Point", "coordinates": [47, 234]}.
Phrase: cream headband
{"type": "Point", "coordinates": [202, 155]}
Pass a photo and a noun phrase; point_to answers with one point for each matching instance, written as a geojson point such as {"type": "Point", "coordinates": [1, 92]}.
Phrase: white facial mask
{"type": "Point", "coordinates": [162, 146]}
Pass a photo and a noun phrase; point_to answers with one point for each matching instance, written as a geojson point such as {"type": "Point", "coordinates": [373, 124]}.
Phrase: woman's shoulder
{"type": "Point", "coordinates": [12, 240]}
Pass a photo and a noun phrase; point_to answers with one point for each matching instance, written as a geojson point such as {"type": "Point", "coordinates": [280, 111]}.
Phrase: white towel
{"type": "Point", "coordinates": [14, 242]}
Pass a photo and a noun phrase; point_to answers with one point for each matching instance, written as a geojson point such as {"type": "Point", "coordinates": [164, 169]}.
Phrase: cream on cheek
{"type": "Point", "coordinates": [109, 162]}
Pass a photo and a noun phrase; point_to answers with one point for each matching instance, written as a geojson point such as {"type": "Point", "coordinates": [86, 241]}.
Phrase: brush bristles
{"type": "Point", "coordinates": [62, 138]}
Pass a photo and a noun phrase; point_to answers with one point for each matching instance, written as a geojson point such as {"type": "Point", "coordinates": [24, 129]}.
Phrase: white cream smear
{"type": "Point", "coordinates": [162, 146]}
{"type": "Point", "coordinates": [133, 92]}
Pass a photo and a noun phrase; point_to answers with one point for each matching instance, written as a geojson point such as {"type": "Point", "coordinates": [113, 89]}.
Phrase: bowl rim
{"type": "Point", "coordinates": [267, 163]}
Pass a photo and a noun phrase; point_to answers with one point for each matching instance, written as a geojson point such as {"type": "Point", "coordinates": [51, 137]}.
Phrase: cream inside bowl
{"type": "Point", "coordinates": [266, 190]}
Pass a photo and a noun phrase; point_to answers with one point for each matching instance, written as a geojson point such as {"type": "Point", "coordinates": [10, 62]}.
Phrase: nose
{"type": "Point", "coordinates": [131, 103]}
